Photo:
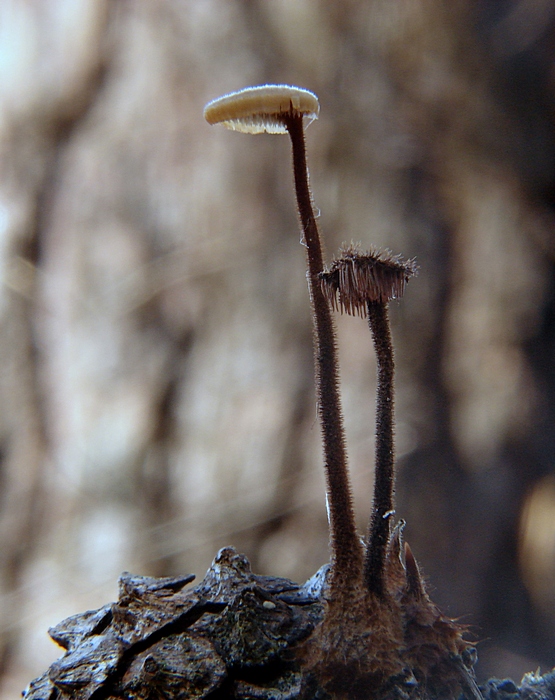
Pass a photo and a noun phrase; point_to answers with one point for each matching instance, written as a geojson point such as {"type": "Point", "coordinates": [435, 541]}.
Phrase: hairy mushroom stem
{"type": "Point", "coordinates": [384, 480]}
{"type": "Point", "coordinates": [346, 547]}
{"type": "Point", "coordinates": [281, 109]}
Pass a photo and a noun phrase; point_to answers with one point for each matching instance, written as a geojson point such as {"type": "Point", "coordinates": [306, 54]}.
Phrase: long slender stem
{"type": "Point", "coordinates": [384, 480]}
{"type": "Point", "coordinates": [346, 547]}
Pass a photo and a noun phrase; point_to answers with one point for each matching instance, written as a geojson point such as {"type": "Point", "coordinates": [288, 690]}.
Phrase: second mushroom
{"type": "Point", "coordinates": [364, 284]}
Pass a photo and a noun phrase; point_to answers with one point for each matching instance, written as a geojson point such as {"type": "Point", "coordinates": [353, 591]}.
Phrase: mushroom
{"type": "Point", "coordinates": [433, 646]}
{"type": "Point", "coordinates": [255, 110]}
{"type": "Point", "coordinates": [364, 283]}
{"type": "Point", "coordinates": [378, 621]}
{"type": "Point", "coordinates": [287, 109]}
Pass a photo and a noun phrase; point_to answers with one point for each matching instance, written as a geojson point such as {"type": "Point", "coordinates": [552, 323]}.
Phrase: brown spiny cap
{"type": "Point", "coordinates": [357, 278]}
{"type": "Point", "coordinates": [255, 110]}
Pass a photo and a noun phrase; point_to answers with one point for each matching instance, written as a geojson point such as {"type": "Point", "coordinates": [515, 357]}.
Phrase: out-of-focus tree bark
{"type": "Point", "coordinates": [156, 344]}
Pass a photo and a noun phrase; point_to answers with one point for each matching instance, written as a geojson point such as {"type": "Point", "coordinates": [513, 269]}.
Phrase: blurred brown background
{"type": "Point", "coordinates": [156, 383]}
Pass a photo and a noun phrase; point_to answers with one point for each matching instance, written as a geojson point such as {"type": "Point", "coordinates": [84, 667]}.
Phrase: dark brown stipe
{"type": "Point", "coordinates": [384, 479]}
{"type": "Point", "coordinates": [281, 109]}
{"type": "Point", "coordinates": [345, 543]}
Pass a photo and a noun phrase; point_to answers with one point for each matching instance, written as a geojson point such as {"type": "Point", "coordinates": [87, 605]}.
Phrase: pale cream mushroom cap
{"type": "Point", "coordinates": [255, 110]}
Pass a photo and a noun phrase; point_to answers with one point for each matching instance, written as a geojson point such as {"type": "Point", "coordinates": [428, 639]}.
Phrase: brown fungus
{"type": "Point", "coordinates": [433, 646]}
{"type": "Point", "coordinates": [363, 283]}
